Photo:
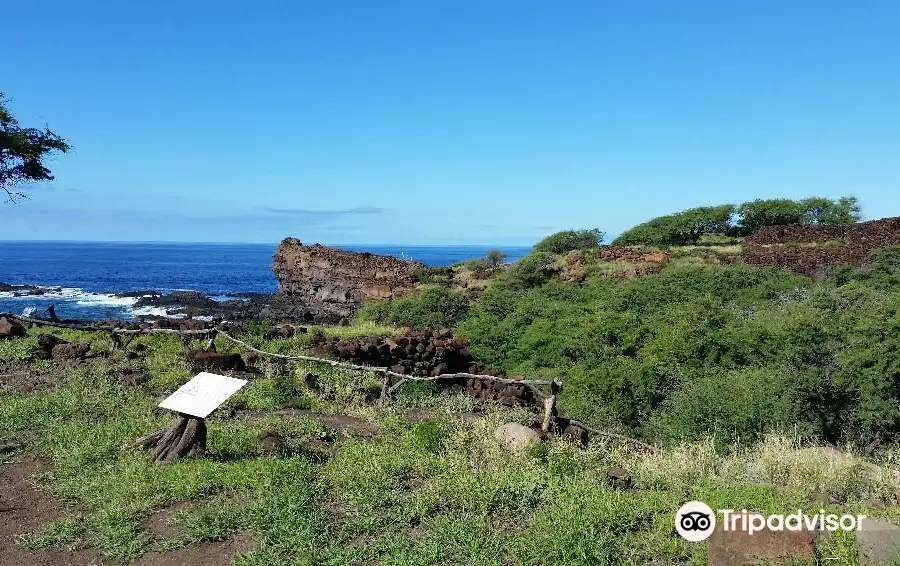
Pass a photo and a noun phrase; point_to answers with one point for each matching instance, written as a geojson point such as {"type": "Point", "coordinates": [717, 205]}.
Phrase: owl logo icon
{"type": "Point", "coordinates": [695, 521]}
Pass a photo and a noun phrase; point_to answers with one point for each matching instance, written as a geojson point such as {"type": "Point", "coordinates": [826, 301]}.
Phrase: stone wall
{"type": "Point", "coordinates": [426, 353]}
{"type": "Point", "coordinates": [813, 250]}
{"type": "Point", "coordinates": [872, 234]}
{"type": "Point", "coordinates": [332, 283]}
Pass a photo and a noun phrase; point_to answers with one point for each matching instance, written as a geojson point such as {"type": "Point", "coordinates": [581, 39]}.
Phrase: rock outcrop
{"type": "Point", "coordinates": [332, 283]}
{"type": "Point", "coordinates": [10, 329]}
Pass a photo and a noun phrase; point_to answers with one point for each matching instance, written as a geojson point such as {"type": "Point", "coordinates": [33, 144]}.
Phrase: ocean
{"type": "Point", "coordinates": [86, 278]}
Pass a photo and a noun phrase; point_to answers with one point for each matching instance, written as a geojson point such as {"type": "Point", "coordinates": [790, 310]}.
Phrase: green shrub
{"type": "Point", "coordinates": [735, 405]}
{"type": "Point", "coordinates": [533, 270]}
{"type": "Point", "coordinates": [813, 210]}
{"type": "Point", "coordinates": [689, 227]}
{"type": "Point", "coordinates": [427, 436]}
{"type": "Point", "coordinates": [633, 352]}
{"type": "Point", "coordinates": [823, 211]}
{"type": "Point", "coordinates": [433, 307]}
{"type": "Point", "coordinates": [771, 212]}
{"type": "Point", "coordinates": [569, 240]}
{"type": "Point", "coordinates": [681, 228]}
{"type": "Point", "coordinates": [430, 275]}
{"type": "Point", "coordinates": [493, 259]}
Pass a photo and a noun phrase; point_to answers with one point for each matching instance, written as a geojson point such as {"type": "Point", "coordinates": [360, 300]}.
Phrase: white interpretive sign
{"type": "Point", "coordinates": [203, 394]}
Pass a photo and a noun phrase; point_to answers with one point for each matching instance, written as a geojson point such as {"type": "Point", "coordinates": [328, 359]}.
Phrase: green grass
{"type": "Point", "coordinates": [436, 491]}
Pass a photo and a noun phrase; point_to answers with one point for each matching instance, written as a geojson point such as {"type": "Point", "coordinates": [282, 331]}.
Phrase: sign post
{"type": "Point", "coordinates": [192, 402]}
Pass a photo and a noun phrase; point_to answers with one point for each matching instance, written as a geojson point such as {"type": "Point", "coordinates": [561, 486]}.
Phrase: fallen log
{"type": "Point", "coordinates": [186, 437]}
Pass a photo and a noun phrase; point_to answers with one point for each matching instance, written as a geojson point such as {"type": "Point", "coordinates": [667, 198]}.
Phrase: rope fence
{"type": "Point", "coordinates": [388, 389]}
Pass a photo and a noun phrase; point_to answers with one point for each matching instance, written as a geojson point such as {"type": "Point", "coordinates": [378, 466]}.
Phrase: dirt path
{"type": "Point", "coordinates": [24, 509]}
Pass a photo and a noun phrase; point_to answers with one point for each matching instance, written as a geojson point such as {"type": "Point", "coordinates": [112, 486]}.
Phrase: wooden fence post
{"type": "Point", "coordinates": [385, 391]}
{"type": "Point", "coordinates": [550, 412]}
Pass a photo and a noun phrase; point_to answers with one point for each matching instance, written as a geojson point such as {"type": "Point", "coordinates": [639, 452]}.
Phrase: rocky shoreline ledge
{"type": "Point", "coordinates": [27, 290]}
{"type": "Point", "coordinates": [316, 285]}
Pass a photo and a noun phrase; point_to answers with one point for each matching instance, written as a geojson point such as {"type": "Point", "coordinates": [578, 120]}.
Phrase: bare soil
{"type": "Point", "coordinates": [17, 380]}
{"type": "Point", "coordinates": [25, 509]}
{"type": "Point", "coordinates": [203, 554]}
{"type": "Point", "coordinates": [160, 524]}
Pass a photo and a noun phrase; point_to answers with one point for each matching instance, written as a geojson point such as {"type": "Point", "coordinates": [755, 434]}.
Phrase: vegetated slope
{"type": "Point", "coordinates": [697, 348]}
{"type": "Point", "coordinates": [292, 478]}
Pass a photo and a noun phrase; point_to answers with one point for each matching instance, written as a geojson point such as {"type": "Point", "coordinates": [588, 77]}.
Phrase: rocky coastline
{"type": "Point", "coordinates": [316, 285]}
{"type": "Point", "coordinates": [27, 290]}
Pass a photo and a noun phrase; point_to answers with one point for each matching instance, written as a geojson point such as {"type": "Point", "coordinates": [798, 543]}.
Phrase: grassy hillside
{"type": "Point", "coordinates": [422, 482]}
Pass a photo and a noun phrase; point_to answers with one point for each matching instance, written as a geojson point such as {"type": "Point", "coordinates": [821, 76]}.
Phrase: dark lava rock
{"type": "Point", "coordinates": [70, 352]}
{"type": "Point", "coordinates": [47, 342]}
{"type": "Point", "coordinates": [576, 434]}
{"type": "Point", "coordinates": [135, 379]}
{"type": "Point", "coordinates": [10, 329]}
{"type": "Point", "coordinates": [25, 290]}
{"type": "Point", "coordinates": [176, 299]}
{"type": "Point", "coordinates": [205, 359]}
{"type": "Point", "coordinates": [7, 447]}
{"type": "Point", "coordinates": [250, 358]}
{"type": "Point", "coordinates": [271, 443]}
{"type": "Point", "coordinates": [619, 478]}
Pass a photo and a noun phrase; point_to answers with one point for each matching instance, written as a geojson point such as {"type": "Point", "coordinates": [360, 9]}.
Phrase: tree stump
{"type": "Point", "coordinates": [186, 437]}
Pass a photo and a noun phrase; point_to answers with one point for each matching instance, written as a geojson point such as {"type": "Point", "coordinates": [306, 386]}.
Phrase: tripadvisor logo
{"type": "Point", "coordinates": [696, 521]}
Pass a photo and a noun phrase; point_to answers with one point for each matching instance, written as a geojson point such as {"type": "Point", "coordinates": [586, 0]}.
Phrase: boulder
{"type": "Point", "coordinates": [10, 329]}
{"type": "Point", "coordinates": [517, 438]}
{"type": "Point", "coordinates": [619, 478]}
{"type": "Point", "coordinates": [70, 352]}
{"type": "Point", "coordinates": [250, 358]}
{"type": "Point", "coordinates": [821, 499]}
{"type": "Point", "coordinates": [576, 434]}
{"type": "Point", "coordinates": [878, 543]}
{"type": "Point", "coordinates": [47, 342]}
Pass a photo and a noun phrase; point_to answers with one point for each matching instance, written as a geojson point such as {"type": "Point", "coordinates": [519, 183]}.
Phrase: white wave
{"type": "Point", "coordinates": [153, 311]}
{"type": "Point", "coordinates": [83, 298]}
{"type": "Point", "coordinates": [224, 298]}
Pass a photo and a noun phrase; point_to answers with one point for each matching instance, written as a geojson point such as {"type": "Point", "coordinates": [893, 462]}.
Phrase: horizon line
{"type": "Point", "coordinates": [177, 242]}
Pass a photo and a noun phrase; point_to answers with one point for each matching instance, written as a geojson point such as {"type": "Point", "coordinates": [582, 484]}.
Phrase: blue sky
{"type": "Point", "coordinates": [417, 121]}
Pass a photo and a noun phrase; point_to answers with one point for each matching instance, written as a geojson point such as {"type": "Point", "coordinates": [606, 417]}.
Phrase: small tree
{"type": "Point", "coordinates": [813, 210]}
{"type": "Point", "coordinates": [771, 212]}
{"type": "Point", "coordinates": [569, 240]}
{"type": "Point", "coordinates": [823, 211]}
{"type": "Point", "coordinates": [22, 152]}
{"type": "Point", "coordinates": [681, 228]}
{"type": "Point", "coordinates": [493, 259]}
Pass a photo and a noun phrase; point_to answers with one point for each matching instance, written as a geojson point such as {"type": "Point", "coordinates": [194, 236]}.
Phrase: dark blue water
{"type": "Point", "coordinates": [90, 274]}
